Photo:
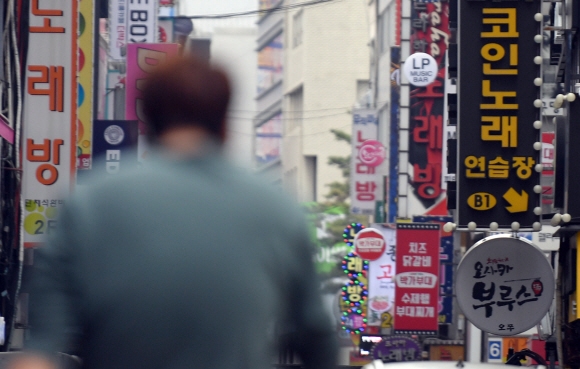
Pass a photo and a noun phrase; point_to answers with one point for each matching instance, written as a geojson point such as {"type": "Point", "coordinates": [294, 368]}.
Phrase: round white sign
{"type": "Point", "coordinates": [504, 285]}
{"type": "Point", "coordinates": [420, 69]}
{"type": "Point", "coordinates": [114, 134]}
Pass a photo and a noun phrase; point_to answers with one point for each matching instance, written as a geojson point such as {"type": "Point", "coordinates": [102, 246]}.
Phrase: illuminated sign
{"type": "Point", "coordinates": [499, 145]}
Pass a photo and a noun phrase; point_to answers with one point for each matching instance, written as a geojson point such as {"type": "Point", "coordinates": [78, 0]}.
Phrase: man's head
{"type": "Point", "coordinates": [186, 92]}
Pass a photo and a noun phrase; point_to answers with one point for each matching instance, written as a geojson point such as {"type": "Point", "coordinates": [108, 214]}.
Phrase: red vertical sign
{"type": "Point", "coordinates": [417, 286]}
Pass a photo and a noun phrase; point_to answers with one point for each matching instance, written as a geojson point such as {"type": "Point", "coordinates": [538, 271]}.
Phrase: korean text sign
{"type": "Point", "coordinates": [497, 160]}
{"type": "Point", "coordinates": [382, 281]}
{"type": "Point", "coordinates": [417, 285]}
{"type": "Point", "coordinates": [500, 291]}
{"type": "Point", "coordinates": [117, 28]}
{"type": "Point", "coordinates": [365, 183]}
{"type": "Point", "coordinates": [49, 115]}
{"type": "Point", "coordinates": [430, 35]}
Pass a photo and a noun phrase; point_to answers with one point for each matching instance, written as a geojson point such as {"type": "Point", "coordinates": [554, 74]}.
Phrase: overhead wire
{"type": "Point", "coordinates": [259, 11]}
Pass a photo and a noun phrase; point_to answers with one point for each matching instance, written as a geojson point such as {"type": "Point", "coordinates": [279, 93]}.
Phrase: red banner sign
{"type": "Point", "coordinates": [417, 286]}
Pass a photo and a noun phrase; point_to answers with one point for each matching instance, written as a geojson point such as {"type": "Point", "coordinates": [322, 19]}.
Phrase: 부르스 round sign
{"type": "Point", "coordinates": [369, 244]}
{"type": "Point", "coordinates": [505, 285]}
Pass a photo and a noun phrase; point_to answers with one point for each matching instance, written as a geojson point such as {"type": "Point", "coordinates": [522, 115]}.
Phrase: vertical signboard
{"type": "Point", "coordinates": [85, 83]}
{"type": "Point", "coordinates": [364, 181]}
{"type": "Point", "coordinates": [142, 21]}
{"type": "Point", "coordinates": [445, 310]}
{"type": "Point", "coordinates": [115, 146]}
{"type": "Point", "coordinates": [430, 35]}
{"type": "Point", "coordinates": [417, 286]}
{"type": "Point", "coordinates": [393, 181]}
{"type": "Point", "coordinates": [117, 28]}
{"type": "Point", "coordinates": [499, 103]}
{"type": "Point", "coordinates": [382, 272]}
{"type": "Point", "coordinates": [50, 109]}
{"type": "Point", "coordinates": [142, 59]}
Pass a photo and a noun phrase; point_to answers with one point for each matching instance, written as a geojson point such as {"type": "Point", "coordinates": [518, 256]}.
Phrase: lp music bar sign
{"type": "Point", "coordinates": [499, 115]}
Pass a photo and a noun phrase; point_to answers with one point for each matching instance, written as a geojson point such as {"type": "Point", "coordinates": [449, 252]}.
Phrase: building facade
{"type": "Point", "coordinates": [326, 70]}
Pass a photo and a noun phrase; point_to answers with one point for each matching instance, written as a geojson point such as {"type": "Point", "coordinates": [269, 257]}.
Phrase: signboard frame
{"type": "Point", "coordinates": [498, 167]}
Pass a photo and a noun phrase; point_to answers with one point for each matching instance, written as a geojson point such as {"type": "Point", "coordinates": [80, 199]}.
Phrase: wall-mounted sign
{"type": "Point", "coordinates": [430, 34]}
{"type": "Point", "coordinates": [499, 290]}
{"type": "Point", "coordinates": [372, 153]}
{"type": "Point", "coordinates": [417, 285]}
{"type": "Point", "coordinates": [142, 21]}
{"type": "Point", "coordinates": [499, 146]}
{"type": "Point", "coordinates": [397, 349]}
{"type": "Point", "coordinates": [50, 114]}
{"type": "Point", "coordinates": [370, 244]}
{"type": "Point", "coordinates": [117, 28]}
{"type": "Point", "coordinates": [381, 280]}
{"type": "Point", "coordinates": [420, 69]}
{"type": "Point", "coordinates": [115, 146]}
{"type": "Point", "coordinates": [365, 183]}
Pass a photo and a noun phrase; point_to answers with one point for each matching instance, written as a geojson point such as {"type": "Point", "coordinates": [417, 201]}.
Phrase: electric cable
{"type": "Point", "coordinates": [259, 11]}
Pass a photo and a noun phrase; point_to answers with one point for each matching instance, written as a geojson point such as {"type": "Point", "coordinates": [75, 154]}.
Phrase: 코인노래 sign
{"type": "Point", "coordinates": [505, 285]}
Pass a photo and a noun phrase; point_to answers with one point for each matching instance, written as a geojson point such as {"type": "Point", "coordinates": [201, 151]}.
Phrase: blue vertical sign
{"type": "Point", "coordinates": [393, 182]}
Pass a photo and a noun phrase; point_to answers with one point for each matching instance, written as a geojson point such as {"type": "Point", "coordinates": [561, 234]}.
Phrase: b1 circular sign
{"type": "Point", "coordinates": [420, 69]}
{"type": "Point", "coordinates": [505, 285]}
{"type": "Point", "coordinates": [371, 153]}
{"type": "Point", "coordinates": [369, 244]}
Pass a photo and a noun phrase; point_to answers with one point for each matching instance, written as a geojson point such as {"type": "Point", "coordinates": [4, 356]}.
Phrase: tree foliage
{"type": "Point", "coordinates": [333, 214]}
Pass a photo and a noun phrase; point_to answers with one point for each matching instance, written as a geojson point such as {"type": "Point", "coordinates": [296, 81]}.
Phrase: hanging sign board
{"type": "Point", "coordinates": [417, 285]}
{"type": "Point", "coordinates": [382, 273]}
{"type": "Point", "coordinates": [499, 290]}
{"type": "Point", "coordinates": [498, 140]}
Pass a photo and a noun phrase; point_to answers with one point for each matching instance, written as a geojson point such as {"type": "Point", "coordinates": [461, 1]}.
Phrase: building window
{"type": "Point", "coordinates": [297, 29]}
{"type": "Point", "coordinates": [268, 144]}
{"type": "Point", "coordinates": [296, 108]}
{"type": "Point", "coordinates": [270, 60]}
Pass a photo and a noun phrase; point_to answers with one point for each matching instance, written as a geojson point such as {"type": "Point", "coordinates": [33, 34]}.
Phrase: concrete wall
{"type": "Point", "coordinates": [333, 56]}
{"type": "Point", "coordinates": [234, 48]}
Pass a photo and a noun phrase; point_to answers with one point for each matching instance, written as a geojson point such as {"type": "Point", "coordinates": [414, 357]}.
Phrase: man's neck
{"type": "Point", "coordinates": [185, 141]}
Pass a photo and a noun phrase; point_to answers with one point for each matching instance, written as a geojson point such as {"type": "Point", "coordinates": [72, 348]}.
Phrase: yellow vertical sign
{"type": "Point", "coordinates": [574, 302]}
{"type": "Point", "coordinates": [85, 83]}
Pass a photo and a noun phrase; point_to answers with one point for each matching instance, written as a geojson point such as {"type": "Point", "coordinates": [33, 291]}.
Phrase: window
{"type": "Point", "coordinates": [268, 142]}
{"type": "Point", "coordinates": [297, 29]}
{"type": "Point", "coordinates": [270, 60]}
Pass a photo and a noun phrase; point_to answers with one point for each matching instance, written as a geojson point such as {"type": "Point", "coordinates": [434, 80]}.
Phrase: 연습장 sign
{"type": "Point", "coordinates": [499, 103]}
{"type": "Point", "coordinates": [417, 279]}
{"type": "Point", "coordinates": [504, 285]}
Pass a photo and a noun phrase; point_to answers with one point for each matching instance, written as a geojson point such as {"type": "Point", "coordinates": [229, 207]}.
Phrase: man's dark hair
{"type": "Point", "coordinates": [186, 91]}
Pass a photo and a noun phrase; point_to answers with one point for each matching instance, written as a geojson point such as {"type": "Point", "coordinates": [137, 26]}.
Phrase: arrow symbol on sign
{"type": "Point", "coordinates": [518, 202]}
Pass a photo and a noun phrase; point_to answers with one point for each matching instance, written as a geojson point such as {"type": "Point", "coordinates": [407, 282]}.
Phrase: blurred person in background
{"type": "Point", "coordinates": [189, 262]}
